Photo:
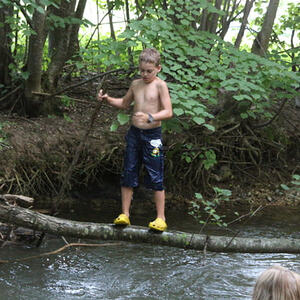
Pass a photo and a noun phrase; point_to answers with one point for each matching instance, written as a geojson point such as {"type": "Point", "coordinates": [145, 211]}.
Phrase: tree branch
{"type": "Point", "coordinates": [28, 19]}
{"type": "Point", "coordinates": [91, 79]}
{"type": "Point", "coordinates": [58, 251]}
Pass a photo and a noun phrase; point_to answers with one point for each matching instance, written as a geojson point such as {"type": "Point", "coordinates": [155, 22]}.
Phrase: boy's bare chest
{"type": "Point", "coordinates": [146, 94]}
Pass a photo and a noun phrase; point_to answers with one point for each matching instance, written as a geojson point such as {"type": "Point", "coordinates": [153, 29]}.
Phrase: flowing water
{"type": "Point", "coordinates": [144, 271]}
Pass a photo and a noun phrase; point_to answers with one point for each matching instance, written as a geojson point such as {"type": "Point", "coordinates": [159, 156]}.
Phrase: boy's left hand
{"type": "Point", "coordinates": [141, 116]}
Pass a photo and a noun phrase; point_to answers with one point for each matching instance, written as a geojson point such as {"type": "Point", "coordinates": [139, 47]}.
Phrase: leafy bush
{"type": "Point", "coordinates": [198, 65]}
{"type": "Point", "coordinates": [3, 137]}
{"type": "Point", "coordinates": [208, 214]}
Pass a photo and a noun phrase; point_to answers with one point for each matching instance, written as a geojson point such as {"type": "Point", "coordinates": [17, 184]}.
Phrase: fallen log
{"type": "Point", "coordinates": [98, 231]}
{"type": "Point", "coordinates": [18, 199]}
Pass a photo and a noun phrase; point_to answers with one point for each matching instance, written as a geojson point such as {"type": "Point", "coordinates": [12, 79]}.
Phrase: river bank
{"type": "Point", "coordinates": [36, 154]}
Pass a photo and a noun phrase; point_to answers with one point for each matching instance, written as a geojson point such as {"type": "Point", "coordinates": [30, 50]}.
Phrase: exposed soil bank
{"type": "Point", "coordinates": [39, 151]}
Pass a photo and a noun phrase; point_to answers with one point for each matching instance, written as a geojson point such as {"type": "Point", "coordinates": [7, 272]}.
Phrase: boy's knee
{"type": "Point", "coordinates": [155, 186]}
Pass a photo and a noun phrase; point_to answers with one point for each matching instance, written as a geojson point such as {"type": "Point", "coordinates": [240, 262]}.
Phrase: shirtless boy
{"type": "Point", "coordinates": [152, 104]}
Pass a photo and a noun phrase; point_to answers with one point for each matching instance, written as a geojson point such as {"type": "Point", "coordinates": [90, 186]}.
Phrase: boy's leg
{"type": "Point", "coordinates": [129, 178]}
{"type": "Point", "coordinates": [123, 218]}
{"type": "Point", "coordinates": [126, 199]}
{"type": "Point", "coordinates": [159, 199]}
{"type": "Point", "coordinates": [153, 160]}
{"type": "Point", "coordinates": [160, 222]}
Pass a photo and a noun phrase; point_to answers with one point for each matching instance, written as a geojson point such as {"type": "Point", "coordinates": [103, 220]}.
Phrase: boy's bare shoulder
{"type": "Point", "coordinates": [161, 83]}
{"type": "Point", "coordinates": [136, 82]}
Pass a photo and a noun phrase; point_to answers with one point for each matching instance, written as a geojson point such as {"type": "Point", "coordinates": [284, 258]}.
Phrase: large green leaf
{"type": "Point", "coordinates": [123, 118]}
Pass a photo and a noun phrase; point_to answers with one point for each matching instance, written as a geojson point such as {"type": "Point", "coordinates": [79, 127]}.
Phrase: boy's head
{"type": "Point", "coordinates": [149, 64]}
{"type": "Point", "coordinates": [150, 55]}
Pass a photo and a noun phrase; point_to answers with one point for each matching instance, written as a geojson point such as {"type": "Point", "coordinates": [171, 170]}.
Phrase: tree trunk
{"type": "Point", "coordinates": [247, 9]}
{"type": "Point", "coordinates": [214, 18]}
{"type": "Point", "coordinates": [143, 11]}
{"type": "Point", "coordinates": [111, 23]}
{"type": "Point", "coordinates": [86, 230]}
{"type": "Point", "coordinates": [73, 48]}
{"type": "Point", "coordinates": [34, 62]}
{"type": "Point", "coordinates": [261, 42]}
{"type": "Point", "coordinates": [5, 46]}
{"type": "Point", "coordinates": [129, 51]}
{"type": "Point", "coordinates": [203, 21]}
{"type": "Point", "coordinates": [60, 41]}
{"type": "Point", "coordinates": [231, 14]}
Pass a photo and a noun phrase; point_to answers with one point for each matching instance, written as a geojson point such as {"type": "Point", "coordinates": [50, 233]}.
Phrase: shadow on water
{"type": "Point", "coordinates": [143, 271]}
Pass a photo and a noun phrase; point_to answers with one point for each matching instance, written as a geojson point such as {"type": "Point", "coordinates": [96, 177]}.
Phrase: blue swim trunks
{"type": "Point", "coordinates": [144, 146]}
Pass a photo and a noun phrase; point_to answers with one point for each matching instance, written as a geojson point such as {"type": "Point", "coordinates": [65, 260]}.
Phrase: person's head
{"type": "Point", "coordinates": [277, 283]}
{"type": "Point", "coordinates": [149, 64]}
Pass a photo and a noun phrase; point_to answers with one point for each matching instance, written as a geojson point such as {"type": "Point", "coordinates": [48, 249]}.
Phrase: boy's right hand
{"type": "Point", "coordinates": [101, 97]}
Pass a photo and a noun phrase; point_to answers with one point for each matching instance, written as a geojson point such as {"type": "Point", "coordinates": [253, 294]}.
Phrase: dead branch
{"type": "Point", "coordinates": [78, 151]}
{"type": "Point", "coordinates": [73, 99]}
{"type": "Point", "coordinates": [11, 93]}
{"type": "Point", "coordinates": [91, 79]}
{"type": "Point", "coordinates": [58, 251]}
{"type": "Point", "coordinates": [273, 118]}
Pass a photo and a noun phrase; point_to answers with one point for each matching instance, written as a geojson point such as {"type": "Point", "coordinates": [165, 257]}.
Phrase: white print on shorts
{"type": "Point", "coordinates": [156, 143]}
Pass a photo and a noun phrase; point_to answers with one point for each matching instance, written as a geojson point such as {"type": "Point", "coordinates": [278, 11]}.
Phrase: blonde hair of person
{"type": "Point", "coordinates": [277, 283]}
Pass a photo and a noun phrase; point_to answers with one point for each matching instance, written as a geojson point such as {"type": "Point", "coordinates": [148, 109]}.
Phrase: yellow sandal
{"type": "Point", "coordinates": [158, 224]}
{"type": "Point", "coordinates": [122, 219]}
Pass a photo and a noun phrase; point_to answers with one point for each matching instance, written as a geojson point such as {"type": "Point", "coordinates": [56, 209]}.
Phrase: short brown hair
{"type": "Point", "coordinates": [150, 55]}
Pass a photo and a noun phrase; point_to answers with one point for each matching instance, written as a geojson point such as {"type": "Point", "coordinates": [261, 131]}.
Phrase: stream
{"type": "Point", "coordinates": [143, 271]}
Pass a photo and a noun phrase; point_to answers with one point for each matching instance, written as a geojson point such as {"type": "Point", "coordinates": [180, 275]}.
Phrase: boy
{"type": "Point", "coordinates": [152, 104]}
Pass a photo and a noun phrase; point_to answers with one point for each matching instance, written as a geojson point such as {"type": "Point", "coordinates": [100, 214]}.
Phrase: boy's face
{"type": "Point", "coordinates": [148, 71]}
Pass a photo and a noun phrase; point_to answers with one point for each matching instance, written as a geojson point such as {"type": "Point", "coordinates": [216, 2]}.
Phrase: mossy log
{"type": "Point", "coordinates": [87, 230]}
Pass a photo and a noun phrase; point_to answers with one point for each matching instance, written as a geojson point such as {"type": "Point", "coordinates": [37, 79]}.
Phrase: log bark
{"type": "Point", "coordinates": [98, 231]}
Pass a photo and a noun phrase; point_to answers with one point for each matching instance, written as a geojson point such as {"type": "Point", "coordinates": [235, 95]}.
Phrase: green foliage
{"type": "Point", "coordinates": [189, 155]}
{"type": "Point", "coordinates": [106, 53]}
{"type": "Point", "coordinates": [197, 65]}
{"type": "Point", "coordinates": [287, 52]}
{"type": "Point", "coordinates": [66, 101]}
{"type": "Point", "coordinates": [293, 188]}
{"type": "Point", "coordinates": [295, 183]}
{"type": "Point", "coordinates": [205, 211]}
{"type": "Point", "coordinates": [21, 30]}
{"type": "Point", "coordinates": [121, 120]}
{"type": "Point", "coordinates": [61, 22]}
{"type": "Point", "coordinates": [67, 118]}
{"type": "Point", "coordinates": [210, 159]}
{"type": "Point", "coordinates": [3, 137]}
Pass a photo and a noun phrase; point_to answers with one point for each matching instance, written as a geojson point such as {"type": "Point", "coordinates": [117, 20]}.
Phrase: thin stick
{"type": "Point", "coordinates": [78, 151]}
{"type": "Point", "coordinates": [97, 26]}
{"type": "Point", "coordinates": [59, 250]}
{"type": "Point", "coordinates": [88, 80]}
{"type": "Point", "coordinates": [11, 93]}
{"type": "Point", "coordinates": [73, 99]}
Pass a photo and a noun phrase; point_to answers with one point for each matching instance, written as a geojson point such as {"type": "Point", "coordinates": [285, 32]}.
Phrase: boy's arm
{"type": "Point", "coordinates": [166, 111]}
{"type": "Point", "coordinates": [122, 103]}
